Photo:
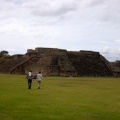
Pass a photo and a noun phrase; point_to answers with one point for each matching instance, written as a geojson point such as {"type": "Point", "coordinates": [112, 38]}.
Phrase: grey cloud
{"type": "Point", "coordinates": [8, 10]}
{"type": "Point", "coordinates": [9, 0]}
{"type": "Point", "coordinates": [107, 11]}
{"type": "Point", "coordinates": [51, 8]}
{"type": "Point", "coordinates": [110, 12]}
{"type": "Point", "coordinates": [7, 5]}
{"type": "Point", "coordinates": [95, 2]}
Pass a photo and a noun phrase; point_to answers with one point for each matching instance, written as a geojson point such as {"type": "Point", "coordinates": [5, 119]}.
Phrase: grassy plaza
{"type": "Point", "coordinates": [60, 98]}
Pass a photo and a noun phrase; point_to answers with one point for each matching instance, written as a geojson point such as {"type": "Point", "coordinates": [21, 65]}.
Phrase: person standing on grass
{"type": "Point", "coordinates": [29, 78]}
{"type": "Point", "coordinates": [39, 79]}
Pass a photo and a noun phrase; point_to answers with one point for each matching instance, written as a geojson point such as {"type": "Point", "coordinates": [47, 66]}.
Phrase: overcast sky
{"type": "Point", "coordinates": [66, 24]}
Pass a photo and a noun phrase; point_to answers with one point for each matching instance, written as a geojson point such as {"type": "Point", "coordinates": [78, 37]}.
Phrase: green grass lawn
{"type": "Point", "coordinates": [60, 98]}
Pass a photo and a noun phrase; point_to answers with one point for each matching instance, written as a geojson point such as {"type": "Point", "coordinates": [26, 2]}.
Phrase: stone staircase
{"type": "Point", "coordinates": [8, 64]}
{"type": "Point", "coordinates": [65, 64]}
{"type": "Point", "coordinates": [89, 64]}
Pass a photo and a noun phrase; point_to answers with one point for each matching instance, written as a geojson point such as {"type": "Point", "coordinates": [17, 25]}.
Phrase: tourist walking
{"type": "Point", "coordinates": [29, 78]}
{"type": "Point", "coordinates": [39, 79]}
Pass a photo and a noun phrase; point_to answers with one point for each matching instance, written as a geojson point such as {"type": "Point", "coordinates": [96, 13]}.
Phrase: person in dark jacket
{"type": "Point", "coordinates": [29, 78]}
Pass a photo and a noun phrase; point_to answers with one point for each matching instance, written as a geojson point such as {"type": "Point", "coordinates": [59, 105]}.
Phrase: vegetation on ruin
{"type": "Point", "coordinates": [5, 55]}
{"type": "Point", "coordinates": [60, 98]}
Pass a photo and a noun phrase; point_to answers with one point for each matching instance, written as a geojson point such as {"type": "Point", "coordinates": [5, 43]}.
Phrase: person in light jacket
{"type": "Point", "coordinates": [39, 79]}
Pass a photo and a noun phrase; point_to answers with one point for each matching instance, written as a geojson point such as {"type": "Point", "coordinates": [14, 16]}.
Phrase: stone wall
{"type": "Point", "coordinates": [59, 62]}
{"type": "Point", "coordinates": [89, 64]}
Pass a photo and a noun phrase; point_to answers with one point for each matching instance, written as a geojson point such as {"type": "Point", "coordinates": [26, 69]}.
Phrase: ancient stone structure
{"type": "Point", "coordinates": [115, 66]}
{"type": "Point", "coordinates": [60, 62]}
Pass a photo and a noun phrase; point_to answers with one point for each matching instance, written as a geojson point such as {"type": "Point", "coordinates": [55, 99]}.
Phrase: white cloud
{"type": "Point", "coordinates": [118, 40]}
{"type": "Point", "coordinates": [105, 50]}
{"type": "Point", "coordinates": [68, 24]}
{"type": "Point", "coordinates": [111, 54]}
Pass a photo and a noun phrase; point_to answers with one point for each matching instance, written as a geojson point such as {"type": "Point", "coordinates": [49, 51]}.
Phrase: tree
{"type": "Point", "coordinates": [4, 52]}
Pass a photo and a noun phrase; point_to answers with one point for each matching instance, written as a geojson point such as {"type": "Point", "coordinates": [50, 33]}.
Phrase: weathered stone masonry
{"type": "Point", "coordinates": [60, 62]}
